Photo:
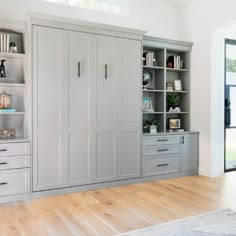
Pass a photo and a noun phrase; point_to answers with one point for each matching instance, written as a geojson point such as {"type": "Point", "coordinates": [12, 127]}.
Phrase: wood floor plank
{"type": "Point", "coordinates": [115, 210]}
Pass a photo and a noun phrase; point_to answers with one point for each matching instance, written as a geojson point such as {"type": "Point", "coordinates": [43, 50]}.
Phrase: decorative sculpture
{"type": "Point", "coordinates": [2, 69]}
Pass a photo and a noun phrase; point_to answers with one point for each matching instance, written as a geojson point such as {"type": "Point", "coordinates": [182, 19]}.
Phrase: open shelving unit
{"type": "Point", "coordinates": [162, 74]}
{"type": "Point", "coordinates": [15, 83]}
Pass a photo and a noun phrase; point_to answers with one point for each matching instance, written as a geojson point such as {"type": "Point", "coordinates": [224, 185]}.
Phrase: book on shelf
{"type": "Point", "coordinates": [148, 58]}
{"type": "Point", "coordinates": [7, 110]}
{"type": "Point", "coordinates": [175, 62]}
{"type": "Point", "coordinates": [4, 42]}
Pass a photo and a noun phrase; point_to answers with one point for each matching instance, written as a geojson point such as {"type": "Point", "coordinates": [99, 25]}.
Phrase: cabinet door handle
{"type": "Point", "coordinates": [106, 71]}
{"type": "Point", "coordinates": [162, 140]}
{"type": "Point", "coordinates": [3, 150]}
{"type": "Point", "coordinates": [182, 139]}
{"type": "Point", "coordinates": [163, 150]}
{"type": "Point", "coordinates": [79, 69]}
{"type": "Point", "coordinates": [3, 163]}
{"type": "Point", "coordinates": [161, 165]}
{"type": "Point", "coordinates": [3, 183]}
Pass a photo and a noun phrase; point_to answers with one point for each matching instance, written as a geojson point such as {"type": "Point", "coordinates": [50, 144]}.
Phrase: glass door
{"type": "Point", "coordinates": [230, 105]}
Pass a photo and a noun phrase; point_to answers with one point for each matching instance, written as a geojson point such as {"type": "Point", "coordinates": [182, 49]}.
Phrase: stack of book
{"type": "Point", "coordinates": [176, 61]}
{"type": "Point", "coordinates": [7, 110]}
{"type": "Point", "coordinates": [4, 42]}
{"type": "Point", "coordinates": [148, 58]}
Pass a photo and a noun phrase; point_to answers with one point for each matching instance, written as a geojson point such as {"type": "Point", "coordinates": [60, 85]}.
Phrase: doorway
{"type": "Point", "coordinates": [230, 105]}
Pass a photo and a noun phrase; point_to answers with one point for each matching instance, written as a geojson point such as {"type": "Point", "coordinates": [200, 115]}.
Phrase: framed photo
{"type": "Point", "coordinates": [174, 123]}
{"type": "Point", "coordinates": [178, 85]}
{"type": "Point", "coordinates": [147, 104]}
{"type": "Point", "coordinates": [7, 133]}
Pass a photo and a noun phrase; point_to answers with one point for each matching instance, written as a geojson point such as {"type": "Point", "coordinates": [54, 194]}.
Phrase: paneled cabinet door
{"type": "Point", "coordinates": [106, 77]}
{"type": "Point", "coordinates": [49, 80]}
{"type": "Point", "coordinates": [79, 109]}
{"type": "Point", "coordinates": [129, 110]}
{"type": "Point", "coordinates": [189, 152]}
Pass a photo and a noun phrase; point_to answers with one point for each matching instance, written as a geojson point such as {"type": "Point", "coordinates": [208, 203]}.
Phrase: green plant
{"type": "Point", "coordinates": [173, 100]}
{"type": "Point", "coordinates": [148, 123]}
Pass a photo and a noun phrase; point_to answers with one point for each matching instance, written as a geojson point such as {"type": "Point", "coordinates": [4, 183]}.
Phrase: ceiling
{"type": "Point", "coordinates": [181, 3]}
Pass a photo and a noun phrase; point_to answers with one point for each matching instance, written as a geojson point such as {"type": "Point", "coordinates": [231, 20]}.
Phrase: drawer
{"type": "Point", "coordinates": [159, 166]}
{"type": "Point", "coordinates": [14, 149]}
{"type": "Point", "coordinates": [14, 162]}
{"type": "Point", "coordinates": [161, 150]}
{"type": "Point", "coordinates": [161, 140]}
{"type": "Point", "coordinates": [14, 182]}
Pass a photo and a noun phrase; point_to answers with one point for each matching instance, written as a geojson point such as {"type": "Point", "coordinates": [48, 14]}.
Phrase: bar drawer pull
{"type": "Point", "coordinates": [162, 140]}
{"type": "Point", "coordinates": [3, 150]}
{"type": "Point", "coordinates": [163, 150]}
{"type": "Point", "coordinates": [4, 183]}
{"type": "Point", "coordinates": [3, 163]}
{"type": "Point", "coordinates": [161, 165]}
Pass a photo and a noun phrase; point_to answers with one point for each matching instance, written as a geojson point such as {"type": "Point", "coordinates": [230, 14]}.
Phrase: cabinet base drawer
{"type": "Point", "coordinates": [161, 140]}
{"type": "Point", "coordinates": [14, 149]}
{"type": "Point", "coordinates": [14, 162]}
{"type": "Point", "coordinates": [159, 166]}
{"type": "Point", "coordinates": [14, 182]}
{"type": "Point", "coordinates": [161, 151]}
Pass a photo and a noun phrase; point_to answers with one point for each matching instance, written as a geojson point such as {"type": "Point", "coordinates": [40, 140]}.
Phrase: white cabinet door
{"type": "Point", "coordinates": [129, 109]}
{"type": "Point", "coordinates": [79, 109]}
{"type": "Point", "coordinates": [49, 58]}
{"type": "Point", "coordinates": [106, 76]}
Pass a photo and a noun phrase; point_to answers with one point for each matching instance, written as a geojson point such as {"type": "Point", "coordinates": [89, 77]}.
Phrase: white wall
{"type": "Point", "coordinates": [206, 24]}
{"type": "Point", "coordinates": [157, 17]}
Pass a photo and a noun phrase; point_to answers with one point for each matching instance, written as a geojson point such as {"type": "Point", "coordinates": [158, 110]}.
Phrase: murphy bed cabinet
{"type": "Point", "coordinates": [86, 106]}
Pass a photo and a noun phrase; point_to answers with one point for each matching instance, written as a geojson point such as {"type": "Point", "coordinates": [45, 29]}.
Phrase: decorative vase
{"type": "Point", "coordinates": [153, 129]}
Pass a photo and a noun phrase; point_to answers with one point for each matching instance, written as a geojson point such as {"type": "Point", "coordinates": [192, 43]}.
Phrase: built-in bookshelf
{"type": "Point", "coordinates": [170, 81]}
{"type": "Point", "coordinates": [14, 83]}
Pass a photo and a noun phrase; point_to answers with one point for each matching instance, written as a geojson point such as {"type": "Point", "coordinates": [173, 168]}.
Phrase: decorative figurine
{"type": "Point", "coordinates": [2, 69]}
{"type": "Point", "coordinates": [13, 47]}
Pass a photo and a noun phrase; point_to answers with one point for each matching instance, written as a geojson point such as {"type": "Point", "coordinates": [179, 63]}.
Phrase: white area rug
{"type": "Point", "coordinates": [220, 223]}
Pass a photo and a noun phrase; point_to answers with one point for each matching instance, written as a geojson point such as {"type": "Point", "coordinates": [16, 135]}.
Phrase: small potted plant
{"type": "Point", "coordinates": [173, 101]}
{"type": "Point", "coordinates": [150, 126]}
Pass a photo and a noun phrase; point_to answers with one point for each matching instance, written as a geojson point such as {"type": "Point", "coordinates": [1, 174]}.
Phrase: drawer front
{"type": "Point", "coordinates": [14, 182]}
{"type": "Point", "coordinates": [14, 149]}
{"type": "Point", "coordinates": [161, 140]}
{"type": "Point", "coordinates": [14, 162]}
{"type": "Point", "coordinates": [161, 150]}
{"type": "Point", "coordinates": [159, 166]}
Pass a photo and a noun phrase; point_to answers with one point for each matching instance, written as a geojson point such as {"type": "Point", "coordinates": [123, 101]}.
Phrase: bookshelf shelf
{"type": "Point", "coordinates": [12, 55]}
{"type": "Point", "coordinates": [12, 85]}
{"type": "Point", "coordinates": [154, 67]}
{"type": "Point", "coordinates": [176, 70]}
{"type": "Point", "coordinates": [11, 113]}
{"type": "Point", "coordinates": [166, 55]}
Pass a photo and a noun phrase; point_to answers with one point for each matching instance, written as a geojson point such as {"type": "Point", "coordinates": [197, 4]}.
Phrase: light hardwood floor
{"type": "Point", "coordinates": [120, 209]}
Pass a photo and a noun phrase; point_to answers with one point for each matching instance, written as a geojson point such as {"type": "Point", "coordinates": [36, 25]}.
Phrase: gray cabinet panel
{"type": "Point", "coordinates": [105, 161]}
{"type": "Point", "coordinates": [189, 152]}
{"type": "Point", "coordinates": [79, 159]}
{"type": "Point", "coordinates": [49, 55]}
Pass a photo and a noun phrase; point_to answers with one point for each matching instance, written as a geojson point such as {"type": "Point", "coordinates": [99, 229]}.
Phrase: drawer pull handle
{"type": "Point", "coordinates": [163, 150]}
{"type": "Point", "coordinates": [4, 183]}
{"type": "Point", "coordinates": [162, 140]}
{"type": "Point", "coordinates": [3, 163]}
{"type": "Point", "coordinates": [162, 165]}
{"type": "Point", "coordinates": [3, 150]}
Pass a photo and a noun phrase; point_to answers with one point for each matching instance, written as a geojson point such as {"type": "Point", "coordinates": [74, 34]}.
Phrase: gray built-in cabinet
{"type": "Point", "coordinates": [86, 108]}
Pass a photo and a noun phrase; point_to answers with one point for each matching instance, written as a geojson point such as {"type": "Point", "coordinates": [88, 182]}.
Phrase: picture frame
{"type": "Point", "coordinates": [147, 104]}
{"type": "Point", "coordinates": [174, 123]}
{"type": "Point", "coordinates": [178, 85]}
{"type": "Point", "coordinates": [7, 133]}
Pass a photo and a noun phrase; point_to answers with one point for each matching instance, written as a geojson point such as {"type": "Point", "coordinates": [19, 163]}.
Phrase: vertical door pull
{"type": "Point", "coordinates": [182, 139]}
{"type": "Point", "coordinates": [106, 71]}
{"type": "Point", "coordinates": [79, 69]}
